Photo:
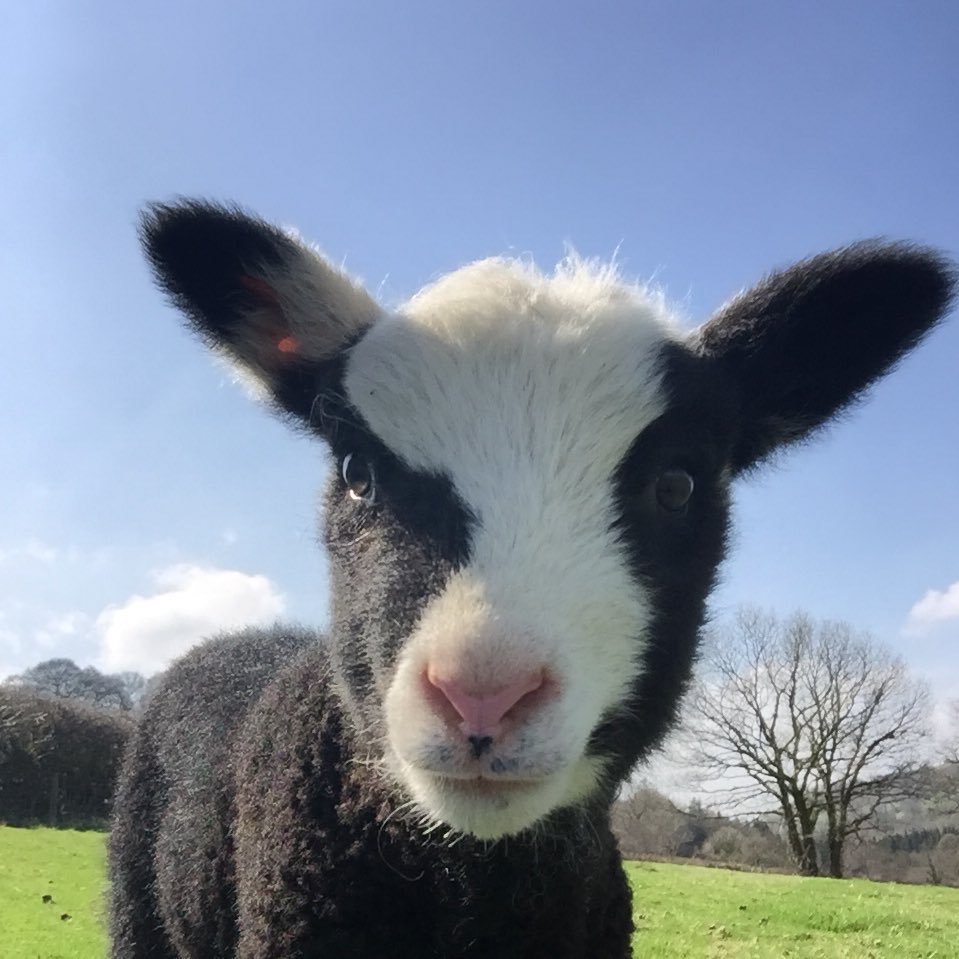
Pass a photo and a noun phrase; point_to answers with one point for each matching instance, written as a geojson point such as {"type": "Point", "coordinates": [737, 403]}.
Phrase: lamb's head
{"type": "Point", "coordinates": [530, 494]}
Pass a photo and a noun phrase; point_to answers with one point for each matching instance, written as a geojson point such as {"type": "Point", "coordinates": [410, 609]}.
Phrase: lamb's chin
{"type": "Point", "coordinates": [492, 809]}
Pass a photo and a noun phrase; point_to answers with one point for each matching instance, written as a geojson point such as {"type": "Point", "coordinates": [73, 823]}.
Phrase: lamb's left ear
{"type": "Point", "coordinates": [806, 342]}
{"type": "Point", "coordinates": [274, 307]}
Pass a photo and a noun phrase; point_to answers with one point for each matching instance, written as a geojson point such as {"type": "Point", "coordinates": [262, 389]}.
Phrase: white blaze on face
{"type": "Point", "coordinates": [526, 391]}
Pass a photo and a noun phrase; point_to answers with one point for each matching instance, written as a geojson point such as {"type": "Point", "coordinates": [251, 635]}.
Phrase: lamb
{"type": "Point", "coordinates": [528, 509]}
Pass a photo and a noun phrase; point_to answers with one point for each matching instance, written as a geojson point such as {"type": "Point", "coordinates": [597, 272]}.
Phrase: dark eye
{"type": "Point", "coordinates": [673, 489]}
{"type": "Point", "coordinates": [359, 479]}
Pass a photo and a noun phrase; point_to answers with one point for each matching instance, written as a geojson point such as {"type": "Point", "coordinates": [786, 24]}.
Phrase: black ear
{"type": "Point", "coordinates": [259, 296]}
{"type": "Point", "coordinates": [806, 342]}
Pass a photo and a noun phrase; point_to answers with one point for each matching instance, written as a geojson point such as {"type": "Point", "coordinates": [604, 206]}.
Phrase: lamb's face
{"type": "Point", "coordinates": [530, 501]}
{"type": "Point", "coordinates": [514, 507]}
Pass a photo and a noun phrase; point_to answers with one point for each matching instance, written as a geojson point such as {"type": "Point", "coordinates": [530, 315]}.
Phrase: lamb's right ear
{"type": "Point", "coordinates": [805, 343]}
{"type": "Point", "coordinates": [259, 296]}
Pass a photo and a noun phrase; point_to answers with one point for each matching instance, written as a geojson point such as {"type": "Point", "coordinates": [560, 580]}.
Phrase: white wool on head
{"type": "Point", "coordinates": [526, 391]}
{"type": "Point", "coordinates": [498, 344]}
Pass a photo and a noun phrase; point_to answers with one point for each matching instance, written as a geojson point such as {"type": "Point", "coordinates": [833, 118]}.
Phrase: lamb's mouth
{"type": "Point", "coordinates": [485, 787]}
{"type": "Point", "coordinates": [491, 806]}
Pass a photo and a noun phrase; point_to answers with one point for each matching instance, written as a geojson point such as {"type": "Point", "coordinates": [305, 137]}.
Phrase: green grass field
{"type": "Point", "coordinates": [692, 911]}
{"type": "Point", "coordinates": [682, 912]}
{"type": "Point", "coordinates": [66, 865]}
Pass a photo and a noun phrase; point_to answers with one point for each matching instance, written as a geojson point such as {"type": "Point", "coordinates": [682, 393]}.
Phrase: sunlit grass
{"type": "Point", "coordinates": [693, 911]}
{"type": "Point", "coordinates": [681, 912]}
{"type": "Point", "coordinates": [67, 867]}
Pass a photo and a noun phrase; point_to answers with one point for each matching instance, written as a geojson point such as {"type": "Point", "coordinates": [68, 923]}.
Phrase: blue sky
{"type": "Point", "coordinates": [147, 501]}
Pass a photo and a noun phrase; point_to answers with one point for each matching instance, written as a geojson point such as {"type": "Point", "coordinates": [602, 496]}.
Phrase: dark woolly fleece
{"type": "Point", "coordinates": [260, 803]}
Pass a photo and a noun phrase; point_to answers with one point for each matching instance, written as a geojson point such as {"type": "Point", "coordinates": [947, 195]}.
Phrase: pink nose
{"type": "Point", "coordinates": [482, 709]}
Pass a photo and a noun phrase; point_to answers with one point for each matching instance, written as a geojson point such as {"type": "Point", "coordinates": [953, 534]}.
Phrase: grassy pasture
{"type": "Point", "coordinates": [681, 912]}
{"type": "Point", "coordinates": [692, 911]}
{"type": "Point", "coordinates": [66, 865]}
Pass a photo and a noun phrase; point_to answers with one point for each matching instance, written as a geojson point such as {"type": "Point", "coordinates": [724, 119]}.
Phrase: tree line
{"type": "Point", "coordinates": [62, 734]}
{"type": "Point", "coordinates": [649, 825]}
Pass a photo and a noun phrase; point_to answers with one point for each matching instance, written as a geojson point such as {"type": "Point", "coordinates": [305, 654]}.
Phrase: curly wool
{"type": "Point", "coordinates": [280, 819]}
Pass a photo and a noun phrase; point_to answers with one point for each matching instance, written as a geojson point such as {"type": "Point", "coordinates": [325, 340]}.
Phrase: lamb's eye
{"type": "Point", "coordinates": [673, 489]}
{"type": "Point", "coordinates": [359, 479]}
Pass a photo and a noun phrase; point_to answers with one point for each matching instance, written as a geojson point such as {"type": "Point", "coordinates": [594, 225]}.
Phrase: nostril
{"type": "Point", "coordinates": [479, 745]}
{"type": "Point", "coordinates": [483, 707]}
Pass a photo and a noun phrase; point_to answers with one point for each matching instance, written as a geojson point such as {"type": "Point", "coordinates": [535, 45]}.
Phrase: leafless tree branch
{"type": "Point", "coordinates": [812, 718]}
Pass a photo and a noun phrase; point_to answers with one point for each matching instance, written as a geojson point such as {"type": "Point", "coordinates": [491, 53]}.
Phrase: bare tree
{"type": "Point", "coordinates": [818, 722]}
{"type": "Point", "coordinates": [947, 786]}
{"type": "Point", "coordinates": [134, 685]}
{"type": "Point", "coordinates": [951, 751]}
{"type": "Point", "coordinates": [645, 822]}
{"type": "Point", "coordinates": [62, 677]}
{"type": "Point", "coordinates": [649, 823]}
{"type": "Point", "coordinates": [58, 677]}
{"type": "Point", "coordinates": [9, 717]}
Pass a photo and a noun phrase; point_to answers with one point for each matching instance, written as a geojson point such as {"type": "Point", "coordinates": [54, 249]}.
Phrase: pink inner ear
{"type": "Point", "coordinates": [260, 289]}
{"type": "Point", "coordinates": [267, 297]}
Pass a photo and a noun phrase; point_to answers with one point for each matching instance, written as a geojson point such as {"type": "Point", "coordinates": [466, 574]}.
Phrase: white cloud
{"type": "Point", "coordinates": [937, 606]}
{"type": "Point", "coordinates": [146, 632]}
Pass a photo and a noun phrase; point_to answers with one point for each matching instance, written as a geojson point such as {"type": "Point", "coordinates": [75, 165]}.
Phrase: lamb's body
{"type": "Point", "coordinates": [529, 506]}
{"type": "Point", "coordinates": [253, 778]}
